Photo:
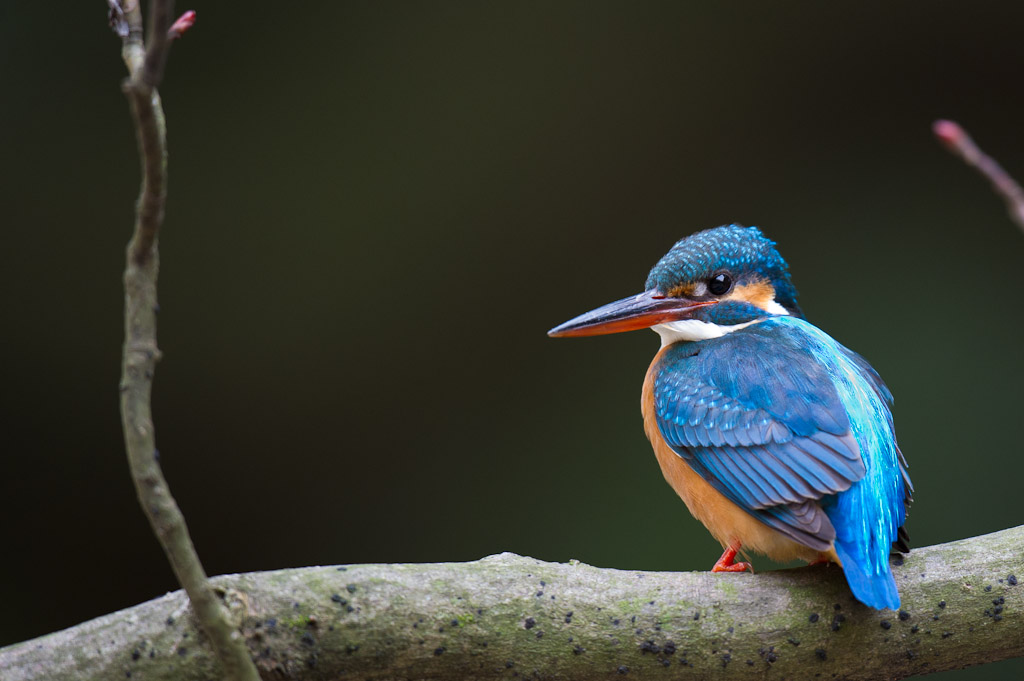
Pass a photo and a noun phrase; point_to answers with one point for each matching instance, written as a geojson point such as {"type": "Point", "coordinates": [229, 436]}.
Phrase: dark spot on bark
{"type": "Point", "coordinates": [650, 603]}
{"type": "Point", "coordinates": [886, 624]}
{"type": "Point", "coordinates": [904, 615]}
{"type": "Point", "coordinates": [813, 618]}
{"type": "Point", "coordinates": [312, 660]}
{"type": "Point", "coordinates": [696, 616]}
{"type": "Point", "coordinates": [351, 588]}
{"type": "Point", "coordinates": [540, 634]}
{"type": "Point", "coordinates": [439, 651]}
{"type": "Point", "coordinates": [623, 669]}
{"type": "Point", "coordinates": [665, 663]}
{"type": "Point", "coordinates": [998, 601]}
{"type": "Point", "coordinates": [509, 664]}
{"type": "Point", "coordinates": [152, 654]}
{"type": "Point", "coordinates": [793, 641]}
{"type": "Point", "coordinates": [947, 634]}
{"type": "Point", "coordinates": [577, 650]}
{"type": "Point", "coordinates": [837, 607]}
{"type": "Point", "coordinates": [988, 587]}
{"type": "Point", "coordinates": [349, 609]}
{"type": "Point", "coordinates": [351, 648]}
{"type": "Point", "coordinates": [998, 610]}
{"type": "Point", "coordinates": [440, 630]}
{"type": "Point", "coordinates": [911, 654]}
{"type": "Point", "coordinates": [750, 663]}
{"type": "Point", "coordinates": [649, 647]}
{"type": "Point", "coordinates": [633, 619]}
{"type": "Point", "coordinates": [942, 604]}
{"type": "Point", "coordinates": [897, 560]}
{"type": "Point", "coordinates": [615, 622]}
{"type": "Point", "coordinates": [182, 651]}
{"type": "Point", "coordinates": [771, 657]}
{"type": "Point", "coordinates": [727, 658]}
{"type": "Point", "coordinates": [669, 648]}
{"type": "Point", "coordinates": [342, 569]}
{"type": "Point", "coordinates": [169, 621]}
{"type": "Point", "coordinates": [338, 599]}
{"type": "Point", "coordinates": [307, 639]}
{"type": "Point", "coordinates": [529, 623]}
{"type": "Point", "coordinates": [1011, 580]}
{"type": "Point", "coordinates": [914, 629]}
{"type": "Point", "coordinates": [997, 618]}
{"type": "Point", "coordinates": [479, 611]}
{"type": "Point", "coordinates": [539, 594]}
{"type": "Point", "coordinates": [136, 655]}
{"type": "Point", "coordinates": [454, 623]}
{"type": "Point", "coordinates": [820, 652]}
{"type": "Point", "coordinates": [330, 627]}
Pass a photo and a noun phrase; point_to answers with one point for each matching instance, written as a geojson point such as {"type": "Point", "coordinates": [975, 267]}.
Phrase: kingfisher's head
{"type": "Point", "coordinates": [708, 284]}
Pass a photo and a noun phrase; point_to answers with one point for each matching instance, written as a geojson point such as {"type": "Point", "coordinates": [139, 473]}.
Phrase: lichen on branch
{"type": "Point", "coordinates": [506, 615]}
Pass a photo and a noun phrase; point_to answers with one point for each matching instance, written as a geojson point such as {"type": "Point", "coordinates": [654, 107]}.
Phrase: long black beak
{"type": "Point", "coordinates": [641, 311]}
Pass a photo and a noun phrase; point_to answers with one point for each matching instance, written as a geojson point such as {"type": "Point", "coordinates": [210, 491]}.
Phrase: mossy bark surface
{"type": "Point", "coordinates": [508, 616]}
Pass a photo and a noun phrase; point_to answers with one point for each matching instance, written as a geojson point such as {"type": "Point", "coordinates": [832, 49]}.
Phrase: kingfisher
{"type": "Point", "coordinates": [777, 438]}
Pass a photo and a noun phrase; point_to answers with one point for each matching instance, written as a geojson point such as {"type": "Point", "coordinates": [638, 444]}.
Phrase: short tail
{"type": "Point", "coordinates": [876, 589]}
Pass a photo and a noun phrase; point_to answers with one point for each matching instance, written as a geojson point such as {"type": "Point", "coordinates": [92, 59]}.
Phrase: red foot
{"type": "Point", "coordinates": [726, 564]}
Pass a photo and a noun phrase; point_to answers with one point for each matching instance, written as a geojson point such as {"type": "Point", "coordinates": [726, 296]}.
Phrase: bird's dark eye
{"type": "Point", "coordinates": [719, 284]}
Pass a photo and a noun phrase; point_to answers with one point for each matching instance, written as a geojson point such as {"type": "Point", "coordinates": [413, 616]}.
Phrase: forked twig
{"type": "Point", "coordinates": [145, 68]}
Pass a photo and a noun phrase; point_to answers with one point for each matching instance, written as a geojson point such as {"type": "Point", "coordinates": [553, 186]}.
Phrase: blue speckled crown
{"type": "Point", "coordinates": [734, 248]}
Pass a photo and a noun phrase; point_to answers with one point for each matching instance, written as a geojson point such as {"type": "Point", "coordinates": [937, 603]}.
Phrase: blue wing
{"type": "Point", "coordinates": [778, 417]}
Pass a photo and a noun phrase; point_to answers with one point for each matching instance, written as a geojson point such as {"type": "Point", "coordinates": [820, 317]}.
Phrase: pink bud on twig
{"type": "Point", "coordinates": [949, 133]}
{"type": "Point", "coordinates": [956, 139]}
{"type": "Point", "coordinates": [183, 23]}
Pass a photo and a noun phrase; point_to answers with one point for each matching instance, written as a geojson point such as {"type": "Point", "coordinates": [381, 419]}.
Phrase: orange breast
{"type": "Point", "coordinates": [727, 522]}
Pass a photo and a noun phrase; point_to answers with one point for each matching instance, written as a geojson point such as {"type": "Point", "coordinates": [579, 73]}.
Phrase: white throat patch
{"type": "Point", "coordinates": [696, 330]}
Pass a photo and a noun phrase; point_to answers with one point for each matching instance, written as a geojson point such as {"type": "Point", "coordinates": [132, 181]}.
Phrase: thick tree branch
{"type": "Point", "coordinates": [507, 616]}
{"type": "Point", "coordinates": [141, 353]}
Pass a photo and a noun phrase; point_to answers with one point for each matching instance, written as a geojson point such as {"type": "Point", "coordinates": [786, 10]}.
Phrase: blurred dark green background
{"type": "Point", "coordinates": [377, 210]}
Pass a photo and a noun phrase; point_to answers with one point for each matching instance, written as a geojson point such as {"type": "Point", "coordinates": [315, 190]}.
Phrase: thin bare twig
{"type": "Point", "coordinates": [141, 353]}
{"type": "Point", "coordinates": [956, 139]}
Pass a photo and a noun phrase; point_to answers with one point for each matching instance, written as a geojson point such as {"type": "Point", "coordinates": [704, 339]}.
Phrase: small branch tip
{"type": "Point", "coordinates": [183, 23]}
{"type": "Point", "coordinates": [116, 18]}
{"type": "Point", "coordinates": [949, 133]}
{"type": "Point", "coordinates": [956, 140]}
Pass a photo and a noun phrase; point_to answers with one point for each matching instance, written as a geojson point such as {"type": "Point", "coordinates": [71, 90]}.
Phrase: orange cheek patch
{"type": "Point", "coordinates": [759, 293]}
